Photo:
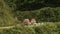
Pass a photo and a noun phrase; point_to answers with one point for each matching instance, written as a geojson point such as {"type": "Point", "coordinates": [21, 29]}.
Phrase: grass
{"type": "Point", "coordinates": [48, 28]}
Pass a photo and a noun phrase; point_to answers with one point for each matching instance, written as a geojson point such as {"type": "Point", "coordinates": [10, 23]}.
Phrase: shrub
{"type": "Point", "coordinates": [49, 14]}
{"type": "Point", "coordinates": [6, 18]}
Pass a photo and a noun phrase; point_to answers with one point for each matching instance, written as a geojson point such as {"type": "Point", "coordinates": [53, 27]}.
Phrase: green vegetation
{"type": "Point", "coordinates": [6, 18]}
{"type": "Point", "coordinates": [49, 28]}
{"type": "Point", "coordinates": [46, 11]}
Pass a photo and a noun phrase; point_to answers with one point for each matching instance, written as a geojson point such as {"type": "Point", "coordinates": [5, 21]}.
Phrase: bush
{"type": "Point", "coordinates": [46, 14]}
{"type": "Point", "coordinates": [49, 28]}
{"type": "Point", "coordinates": [49, 14]}
{"type": "Point", "coordinates": [6, 17]}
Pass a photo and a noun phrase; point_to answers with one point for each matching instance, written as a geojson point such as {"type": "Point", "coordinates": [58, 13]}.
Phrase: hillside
{"type": "Point", "coordinates": [46, 14]}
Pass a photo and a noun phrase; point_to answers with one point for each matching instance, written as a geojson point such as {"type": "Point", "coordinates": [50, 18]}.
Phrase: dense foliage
{"type": "Point", "coordinates": [49, 28]}
{"type": "Point", "coordinates": [46, 14]}
{"type": "Point", "coordinates": [33, 4]}
{"type": "Point", "coordinates": [6, 18]}
{"type": "Point", "coordinates": [42, 10]}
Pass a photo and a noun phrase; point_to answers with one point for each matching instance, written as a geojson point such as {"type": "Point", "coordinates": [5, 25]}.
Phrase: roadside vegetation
{"type": "Point", "coordinates": [46, 13]}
